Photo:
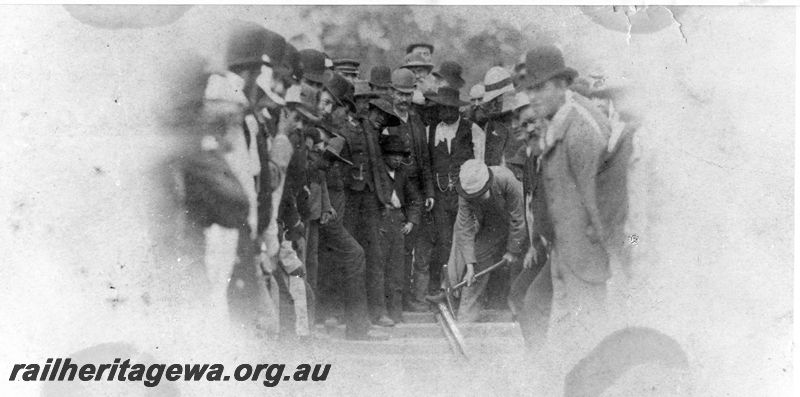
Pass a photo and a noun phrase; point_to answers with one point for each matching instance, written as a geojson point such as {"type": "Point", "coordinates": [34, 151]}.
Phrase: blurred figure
{"type": "Point", "coordinates": [362, 96]}
{"type": "Point", "coordinates": [449, 74]}
{"type": "Point", "coordinates": [314, 68]}
{"type": "Point", "coordinates": [576, 139]}
{"type": "Point", "coordinates": [422, 69]}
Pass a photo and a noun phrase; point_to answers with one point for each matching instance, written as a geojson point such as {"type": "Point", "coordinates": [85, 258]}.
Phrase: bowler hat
{"type": "Point", "coordinates": [544, 63]}
{"type": "Point", "coordinates": [380, 76]}
{"type": "Point", "coordinates": [413, 60]}
{"type": "Point", "coordinates": [451, 72]}
{"type": "Point", "coordinates": [251, 44]}
{"type": "Point", "coordinates": [333, 150]}
{"type": "Point", "coordinates": [413, 45]}
{"type": "Point", "coordinates": [403, 80]}
{"type": "Point", "coordinates": [361, 90]}
{"type": "Point", "coordinates": [447, 96]}
{"type": "Point", "coordinates": [313, 64]}
{"type": "Point", "coordinates": [496, 82]}
{"type": "Point", "coordinates": [340, 89]}
{"type": "Point", "coordinates": [384, 106]}
{"type": "Point", "coordinates": [394, 144]}
{"type": "Point", "coordinates": [474, 179]}
{"type": "Point", "coordinates": [305, 100]}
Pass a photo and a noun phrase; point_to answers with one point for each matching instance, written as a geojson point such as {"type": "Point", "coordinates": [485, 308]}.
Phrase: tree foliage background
{"type": "Point", "coordinates": [378, 35]}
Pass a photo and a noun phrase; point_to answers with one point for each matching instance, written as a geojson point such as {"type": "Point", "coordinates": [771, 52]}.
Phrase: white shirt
{"type": "Point", "coordinates": [394, 201]}
{"type": "Point", "coordinates": [446, 133]}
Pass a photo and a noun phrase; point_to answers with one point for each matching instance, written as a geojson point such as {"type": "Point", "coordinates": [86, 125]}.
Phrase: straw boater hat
{"type": "Point", "coordinates": [476, 92]}
{"type": "Point", "coordinates": [475, 178]}
{"type": "Point", "coordinates": [451, 72]}
{"type": "Point", "coordinates": [521, 100]}
{"type": "Point", "coordinates": [544, 63]}
{"type": "Point", "coordinates": [413, 60]}
{"type": "Point", "coordinates": [447, 96]}
{"type": "Point", "coordinates": [496, 82]}
{"type": "Point", "coordinates": [403, 80]}
{"type": "Point", "coordinates": [304, 99]}
{"type": "Point", "coordinates": [346, 65]}
{"type": "Point", "coordinates": [414, 45]}
{"type": "Point", "coordinates": [384, 106]}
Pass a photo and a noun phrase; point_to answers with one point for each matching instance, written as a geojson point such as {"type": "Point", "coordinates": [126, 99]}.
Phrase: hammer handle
{"type": "Point", "coordinates": [479, 274]}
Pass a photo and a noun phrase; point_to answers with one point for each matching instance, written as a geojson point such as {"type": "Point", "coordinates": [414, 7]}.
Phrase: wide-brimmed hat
{"type": "Point", "coordinates": [544, 63]}
{"type": "Point", "coordinates": [380, 76]}
{"type": "Point", "coordinates": [333, 150]}
{"type": "Point", "coordinates": [451, 72]}
{"type": "Point", "coordinates": [386, 107]}
{"type": "Point", "coordinates": [411, 47]}
{"type": "Point", "coordinates": [251, 44]}
{"type": "Point", "coordinates": [403, 80]}
{"type": "Point", "coordinates": [305, 100]}
{"type": "Point", "coordinates": [394, 144]}
{"type": "Point", "coordinates": [313, 64]}
{"type": "Point", "coordinates": [474, 179]}
{"type": "Point", "coordinates": [447, 96]}
{"type": "Point", "coordinates": [340, 89]}
{"type": "Point", "coordinates": [414, 60]}
{"type": "Point", "coordinates": [509, 102]}
{"type": "Point", "coordinates": [496, 82]}
{"type": "Point", "coordinates": [290, 64]}
{"type": "Point", "coordinates": [476, 92]}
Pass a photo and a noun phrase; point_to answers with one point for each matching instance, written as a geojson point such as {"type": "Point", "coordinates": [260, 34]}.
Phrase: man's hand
{"type": "Point", "coordinates": [530, 258]}
{"type": "Point", "coordinates": [407, 228]}
{"type": "Point", "coordinates": [510, 258]}
{"type": "Point", "coordinates": [429, 203]}
{"type": "Point", "coordinates": [327, 216]}
{"type": "Point", "coordinates": [469, 276]}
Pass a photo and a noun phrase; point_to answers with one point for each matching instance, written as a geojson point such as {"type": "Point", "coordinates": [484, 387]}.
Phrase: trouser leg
{"type": "Point", "coordinates": [392, 248]}
{"type": "Point", "coordinates": [489, 250]}
{"type": "Point", "coordinates": [366, 231]}
{"type": "Point", "coordinates": [445, 212]}
{"type": "Point", "coordinates": [409, 241]}
{"type": "Point", "coordinates": [312, 252]}
{"type": "Point", "coordinates": [534, 317]}
{"type": "Point", "coordinates": [347, 260]}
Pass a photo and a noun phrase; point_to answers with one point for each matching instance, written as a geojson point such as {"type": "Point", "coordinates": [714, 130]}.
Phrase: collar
{"type": "Point", "coordinates": [557, 128]}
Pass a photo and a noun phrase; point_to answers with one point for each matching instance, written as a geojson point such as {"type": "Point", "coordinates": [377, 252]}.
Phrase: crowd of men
{"type": "Point", "coordinates": [353, 197]}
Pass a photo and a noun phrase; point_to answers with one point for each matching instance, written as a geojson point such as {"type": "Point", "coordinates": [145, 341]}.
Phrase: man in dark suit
{"type": "Point", "coordinates": [416, 165]}
{"type": "Point", "coordinates": [398, 218]}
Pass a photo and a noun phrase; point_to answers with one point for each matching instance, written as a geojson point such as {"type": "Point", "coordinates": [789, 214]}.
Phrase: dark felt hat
{"type": "Point", "coordinates": [451, 72]}
{"type": "Point", "coordinates": [290, 64]}
{"type": "Point", "coordinates": [394, 144]}
{"type": "Point", "coordinates": [362, 89]}
{"type": "Point", "coordinates": [340, 89]}
{"type": "Point", "coordinates": [447, 96]}
{"type": "Point", "coordinates": [313, 64]}
{"type": "Point", "coordinates": [544, 63]}
{"type": "Point", "coordinates": [333, 150]}
{"type": "Point", "coordinates": [380, 76]}
{"type": "Point", "coordinates": [251, 44]}
{"type": "Point", "coordinates": [385, 106]}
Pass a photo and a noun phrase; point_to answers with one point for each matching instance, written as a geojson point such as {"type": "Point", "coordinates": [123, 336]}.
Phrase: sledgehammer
{"type": "Point", "coordinates": [444, 305]}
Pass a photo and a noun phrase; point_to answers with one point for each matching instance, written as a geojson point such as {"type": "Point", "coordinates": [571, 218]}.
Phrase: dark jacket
{"type": "Point", "coordinates": [446, 166]}
{"type": "Point", "coordinates": [413, 133]}
{"type": "Point", "coordinates": [407, 193]}
{"type": "Point", "coordinates": [575, 147]}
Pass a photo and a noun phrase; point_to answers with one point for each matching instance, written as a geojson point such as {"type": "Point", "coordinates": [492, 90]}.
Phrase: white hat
{"type": "Point", "coordinates": [497, 82]}
{"type": "Point", "coordinates": [521, 100]}
{"type": "Point", "coordinates": [475, 178]}
{"type": "Point", "coordinates": [476, 92]}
